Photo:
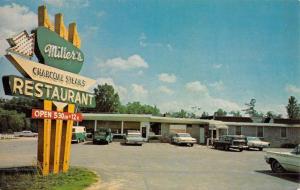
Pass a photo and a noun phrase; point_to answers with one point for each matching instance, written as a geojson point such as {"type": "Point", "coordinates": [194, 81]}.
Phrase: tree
{"type": "Point", "coordinates": [180, 114]}
{"type": "Point", "coordinates": [220, 112]}
{"type": "Point", "coordinates": [250, 110]}
{"type": "Point", "coordinates": [138, 108]}
{"type": "Point", "coordinates": [273, 115]}
{"type": "Point", "coordinates": [293, 108]}
{"type": "Point", "coordinates": [236, 113]}
{"type": "Point", "coordinates": [204, 114]}
{"type": "Point", "coordinates": [107, 100]}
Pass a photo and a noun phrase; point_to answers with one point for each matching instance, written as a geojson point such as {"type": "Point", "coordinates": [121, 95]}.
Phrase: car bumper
{"type": "Point", "coordinates": [134, 142]}
{"type": "Point", "coordinates": [259, 146]}
{"type": "Point", "coordinates": [238, 147]}
{"type": "Point", "coordinates": [186, 142]}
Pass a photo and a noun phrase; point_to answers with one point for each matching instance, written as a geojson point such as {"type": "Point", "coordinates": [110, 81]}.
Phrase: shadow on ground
{"type": "Point", "coordinates": [18, 170]}
{"type": "Point", "coordinates": [293, 177]}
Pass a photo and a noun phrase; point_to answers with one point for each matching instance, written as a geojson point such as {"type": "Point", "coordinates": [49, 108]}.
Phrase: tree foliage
{"type": "Point", "coordinates": [11, 121]}
{"type": "Point", "coordinates": [250, 110]}
{"type": "Point", "coordinates": [293, 108]}
{"type": "Point", "coordinates": [220, 112]}
{"type": "Point", "coordinates": [138, 108]}
{"type": "Point", "coordinates": [182, 114]}
{"type": "Point", "coordinates": [236, 113]}
{"type": "Point", "coordinates": [273, 115]}
{"type": "Point", "coordinates": [107, 100]}
{"type": "Point", "coordinates": [204, 114]}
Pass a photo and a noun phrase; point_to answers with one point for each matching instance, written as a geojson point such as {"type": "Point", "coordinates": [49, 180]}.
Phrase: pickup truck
{"type": "Point", "coordinates": [25, 134]}
{"type": "Point", "coordinates": [228, 142]}
{"type": "Point", "coordinates": [284, 161]}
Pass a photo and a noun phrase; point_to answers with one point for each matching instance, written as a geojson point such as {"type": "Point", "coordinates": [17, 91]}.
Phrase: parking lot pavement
{"type": "Point", "coordinates": [163, 166]}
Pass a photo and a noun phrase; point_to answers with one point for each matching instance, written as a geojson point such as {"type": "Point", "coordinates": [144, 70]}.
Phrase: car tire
{"type": "Point", "coordinates": [260, 149]}
{"type": "Point", "coordinates": [191, 144]}
{"type": "Point", "coordinates": [240, 149]}
{"type": "Point", "coordinates": [276, 167]}
{"type": "Point", "coordinates": [227, 147]}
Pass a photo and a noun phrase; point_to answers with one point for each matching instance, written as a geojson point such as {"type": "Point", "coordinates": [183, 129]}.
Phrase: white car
{"type": "Point", "coordinates": [256, 142]}
{"type": "Point", "coordinates": [25, 134]}
{"type": "Point", "coordinates": [183, 138]}
{"type": "Point", "coordinates": [284, 161]}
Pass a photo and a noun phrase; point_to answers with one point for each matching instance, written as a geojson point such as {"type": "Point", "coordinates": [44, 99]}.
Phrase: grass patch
{"type": "Point", "coordinates": [75, 179]}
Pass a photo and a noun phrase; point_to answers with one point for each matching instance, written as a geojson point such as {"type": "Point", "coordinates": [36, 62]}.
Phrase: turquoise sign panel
{"type": "Point", "coordinates": [55, 51]}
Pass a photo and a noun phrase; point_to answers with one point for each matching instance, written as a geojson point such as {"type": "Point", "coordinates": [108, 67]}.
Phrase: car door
{"type": "Point", "coordinates": [292, 162]}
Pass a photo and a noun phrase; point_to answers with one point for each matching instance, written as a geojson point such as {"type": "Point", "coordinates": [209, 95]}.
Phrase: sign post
{"type": "Point", "coordinates": [54, 80]}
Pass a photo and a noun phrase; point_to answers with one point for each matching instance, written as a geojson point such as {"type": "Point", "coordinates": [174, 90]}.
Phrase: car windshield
{"type": "Point", "coordinates": [100, 132]}
{"type": "Point", "coordinates": [184, 135]}
{"type": "Point", "coordinates": [253, 139]}
{"type": "Point", "coordinates": [134, 135]}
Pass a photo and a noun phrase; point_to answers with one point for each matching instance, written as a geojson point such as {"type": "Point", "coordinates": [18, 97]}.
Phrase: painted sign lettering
{"type": "Point", "coordinates": [57, 52]}
{"type": "Point", "coordinates": [45, 73]}
{"type": "Point", "coordinates": [18, 86]}
{"type": "Point", "coordinates": [53, 115]}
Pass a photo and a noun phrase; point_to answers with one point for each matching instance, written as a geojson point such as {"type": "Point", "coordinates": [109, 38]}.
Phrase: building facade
{"type": "Point", "coordinates": [278, 133]}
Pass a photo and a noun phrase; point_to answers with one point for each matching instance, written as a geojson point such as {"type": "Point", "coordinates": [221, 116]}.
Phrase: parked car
{"type": "Point", "coordinates": [228, 142]}
{"type": "Point", "coordinates": [102, 135]}
{"type": "Point", "coordinates": [284, 161]}
{"type": "Point", "coordinates": [256, 142]}
{"type": "Point", "coordinates": [184, 139]}
{"type": "Point", "coordinates": [134, 137]}
{"type": "Point", "coordinates": [78, 134]}
{"type": "Point", "coordinates": [25, 134]}
{"type": "Point", "coordinates": [118, 137]}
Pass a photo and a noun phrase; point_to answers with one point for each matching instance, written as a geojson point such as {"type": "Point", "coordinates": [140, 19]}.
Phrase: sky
{"type": "Point", "coordinates": [175, 54]}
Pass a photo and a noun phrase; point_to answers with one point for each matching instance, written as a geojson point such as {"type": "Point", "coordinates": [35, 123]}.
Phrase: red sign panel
{"type": "Point", "coordinates": [44, 114]}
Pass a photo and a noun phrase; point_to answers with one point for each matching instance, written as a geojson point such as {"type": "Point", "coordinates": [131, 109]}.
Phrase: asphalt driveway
{"type": "Point", "coordinates": [162, 166]}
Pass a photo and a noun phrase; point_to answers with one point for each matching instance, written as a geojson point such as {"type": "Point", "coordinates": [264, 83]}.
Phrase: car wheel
{"type": "Point", "coordinates": [227, 147]}
{"type": "Point", "coordinates": [260, 149]}
{"type": "Point", "coordinates": [276, 167]}
{"type": "Point", "coordinates": [191, 144]}
{"type": "Point", "coordinates": [240, 149]}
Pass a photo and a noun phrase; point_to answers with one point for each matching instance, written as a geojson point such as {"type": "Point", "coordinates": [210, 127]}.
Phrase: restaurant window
{"type": "Point", "coordinates": [238, 130]}
{"type": "Point", "coordinates": [260, 131]}
{"type": "Point", "coordinates": [283, 132]}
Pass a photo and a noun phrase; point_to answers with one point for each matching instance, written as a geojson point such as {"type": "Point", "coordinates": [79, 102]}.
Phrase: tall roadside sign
{"type": "Point", "coordinates": [54, 79]}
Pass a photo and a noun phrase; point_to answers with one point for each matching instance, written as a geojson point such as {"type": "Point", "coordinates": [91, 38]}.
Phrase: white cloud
{"type": "Point", "coordinates": [170, 47]}
{"type": "Point", "coordinates": [100, 14]}
{"type": "Point", "coordinates": [292, 89]}
{"type": "Point", "coordinates": [143, 41]}
{"type": "Point", "coordinates": [218, 85]}
{"type": "Point", "coordinates": [168, 78]}
{"type": "Point", "coordinates": [140, 72]}
{"type": "Point", "coordinates": [165, 90]}
{"type": "Point", "coordinates": [14, 19]}
{"type": "Point", "coordinates": [196, 86]}
{"type": "Point", "coordinates": [132, 62]}
{"type": "Point", "coordinates": [139, 92]}
{"type": "Point", "coordinates": [68, 3]}
{"type": "Point", "coordinates": [217, 66]}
